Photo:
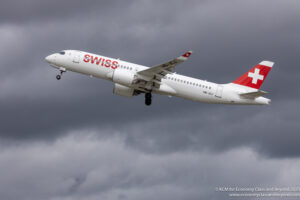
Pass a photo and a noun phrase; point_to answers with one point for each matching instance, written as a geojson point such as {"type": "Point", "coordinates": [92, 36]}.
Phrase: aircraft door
{"type": "Point", "coordinates": [76, 57]}
{"type": "Point", "coordinates": [219, 91]}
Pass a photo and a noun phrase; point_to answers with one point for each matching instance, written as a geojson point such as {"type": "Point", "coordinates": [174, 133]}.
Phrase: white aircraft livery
{"type": "Point", "coordinates": [132, 79]}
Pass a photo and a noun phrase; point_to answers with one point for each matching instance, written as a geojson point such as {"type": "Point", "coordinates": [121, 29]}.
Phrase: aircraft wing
{"type": "Point", "coordinates": [159, 71]}
{"type": "Point", "coordinates": [253, 95]}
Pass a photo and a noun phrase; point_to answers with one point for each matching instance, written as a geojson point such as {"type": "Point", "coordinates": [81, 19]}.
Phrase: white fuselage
{"type": "Point", "coordinates": [171, 85]}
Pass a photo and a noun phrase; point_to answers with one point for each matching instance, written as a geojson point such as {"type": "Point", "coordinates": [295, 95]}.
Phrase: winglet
{"type": "Point", "coordinates": [185, 55]}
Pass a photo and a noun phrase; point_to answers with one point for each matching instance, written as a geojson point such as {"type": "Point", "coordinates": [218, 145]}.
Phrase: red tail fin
{"type": "Point", "coordinates": [256, 76]}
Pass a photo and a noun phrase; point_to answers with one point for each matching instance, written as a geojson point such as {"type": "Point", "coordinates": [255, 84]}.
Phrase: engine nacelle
{"type": "Point", "coordinates": [123, 90]}
{"type": "Point", "coordinates": [123, 77]}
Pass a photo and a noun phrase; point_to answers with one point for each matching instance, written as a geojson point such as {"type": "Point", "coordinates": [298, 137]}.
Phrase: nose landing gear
{"type": "Point", "coordinates": [148, 99]}
{"type": "Point", "coordinates": [58, 77]}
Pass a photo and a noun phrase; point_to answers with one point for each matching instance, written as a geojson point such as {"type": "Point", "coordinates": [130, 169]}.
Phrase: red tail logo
{"type": "Point", "coordinates": [256, 76]}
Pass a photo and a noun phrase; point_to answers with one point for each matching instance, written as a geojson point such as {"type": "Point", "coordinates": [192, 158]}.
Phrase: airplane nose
{"type": "Point", "coordinates": [48, 59]}
{"type": "Point", "coordinates": [51, 58]}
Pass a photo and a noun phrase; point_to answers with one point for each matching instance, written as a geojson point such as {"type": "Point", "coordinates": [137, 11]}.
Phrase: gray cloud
{"type": "Point", "coordinates": [82, 166]}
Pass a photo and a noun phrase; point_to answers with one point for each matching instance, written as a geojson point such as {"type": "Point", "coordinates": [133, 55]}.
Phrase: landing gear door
{"type": "Point", "coordinates": [76, 57]}
{"type": "Point", "coordinates": [219, 91]}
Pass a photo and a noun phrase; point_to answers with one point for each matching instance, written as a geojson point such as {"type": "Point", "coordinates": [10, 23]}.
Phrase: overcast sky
{"type": "Point", "coordinates": [74, 139]}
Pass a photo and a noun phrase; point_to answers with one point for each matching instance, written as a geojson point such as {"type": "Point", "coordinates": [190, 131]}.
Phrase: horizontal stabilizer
{"type": "Point", "coordinates": [253, 95]}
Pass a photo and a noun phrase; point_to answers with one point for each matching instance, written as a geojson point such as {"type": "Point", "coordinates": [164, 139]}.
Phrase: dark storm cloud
{"type": "Point", "coordinates": [82, 166]}
{"type": "Point", "coordinates": [227, 39]}
{"type": "Point", "coordinates": [16, 11]}
{"type": "Point", "coordinates": [272, 132]}
{"type": "Point", "coordinates": [226, 43]}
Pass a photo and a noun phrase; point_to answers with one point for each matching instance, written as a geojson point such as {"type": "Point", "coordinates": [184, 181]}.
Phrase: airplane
{"type": "Point", "coordinates": [132, 79]}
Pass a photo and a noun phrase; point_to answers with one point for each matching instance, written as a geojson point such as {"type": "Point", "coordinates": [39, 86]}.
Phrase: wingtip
{"type": "Point", "coordinates": [187, 54]}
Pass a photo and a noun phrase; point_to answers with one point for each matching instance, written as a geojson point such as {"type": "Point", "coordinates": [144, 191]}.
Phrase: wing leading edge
{"type": "Point", "coordinates": [165, 68]}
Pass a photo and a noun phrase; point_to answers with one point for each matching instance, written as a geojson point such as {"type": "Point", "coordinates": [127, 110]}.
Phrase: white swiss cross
{"type": "Point", "coordinates": [255, 76]}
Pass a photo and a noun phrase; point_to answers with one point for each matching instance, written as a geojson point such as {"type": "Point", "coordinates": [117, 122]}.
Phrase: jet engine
{"type": "Point", "coordinates": [123, 77]}
{"type": "Point", "coordinates": [124, 91]}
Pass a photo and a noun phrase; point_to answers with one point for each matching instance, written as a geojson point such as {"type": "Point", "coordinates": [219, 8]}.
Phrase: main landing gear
{"type": "Point", "coordinates": [148, 98]}
{"type": "Point", "coordinates": [58, 77]}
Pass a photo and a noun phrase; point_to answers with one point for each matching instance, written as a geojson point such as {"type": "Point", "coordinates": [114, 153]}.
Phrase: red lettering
{"type": "Point", "coordinates": [86, 58]}
{"type": "Point", "coordinates": [97, 60]}
{"type": "Point", "coordinates": [102, 62]}
{"type": "Point", "coordinates": [107, 64]}
{"type": "Point", "coordinates": [114, 65]}
{"type": "Point", "coordinates": [92, 59]}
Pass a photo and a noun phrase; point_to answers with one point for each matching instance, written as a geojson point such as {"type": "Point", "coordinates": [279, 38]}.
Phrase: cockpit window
{"type": "Point", "coordinates": [62, 53]}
